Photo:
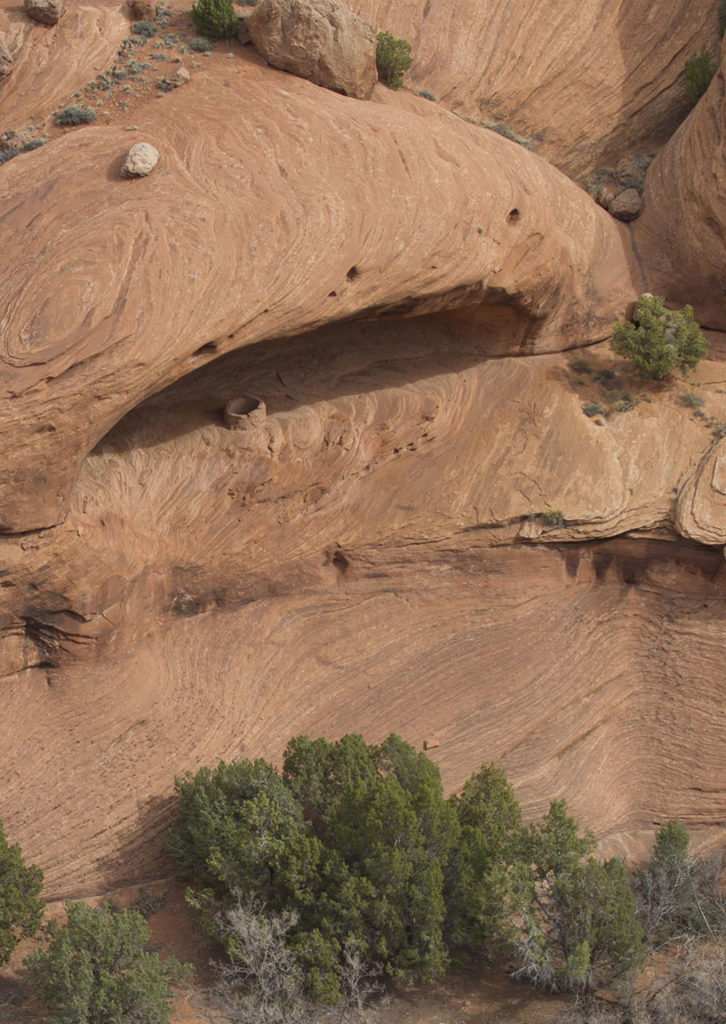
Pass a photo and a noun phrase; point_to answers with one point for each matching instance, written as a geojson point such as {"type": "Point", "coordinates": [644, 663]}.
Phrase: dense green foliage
{"type": "Point", "coordinates": [215, 19]}
{"type": "Point", "coordinates": [660, 340]}
{"type": "Point", "coordinates": [575, 920]}
{"type": "Point", "coordinates": [393, 59]}
{"type": "Point", "coordinates": [75, 115]}
{"type": "Point", "coordinates": [700, 69]}
{"type": "Point", "coordinates": [21, 910]}
{"type": "Point", "coordinates": [96, 970]}
{"type": "Point", "coordinates": [352, 856]}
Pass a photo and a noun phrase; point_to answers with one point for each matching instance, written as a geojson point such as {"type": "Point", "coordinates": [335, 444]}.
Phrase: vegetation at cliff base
{"type": "Point", "coordinates": [351, 862]}
{"type": "Point", "coordinates": [393, 59]}
{"type": "Point", "coordinates": [96, 970]}
{"type": "Point", "coordinates": [21, 909]}
{"type": "Point", "coordinates": [660, 341]}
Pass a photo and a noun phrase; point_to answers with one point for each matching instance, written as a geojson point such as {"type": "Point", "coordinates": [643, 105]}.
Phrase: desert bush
{"type": "Point", "coordinates": [144, 28]}
{"type": "Point", "coordinates": [692, 400]}
{"type": "Point", "coordinates": [393, 59]}
{"type": "Point", "coordinates": [574, 921]}
{"type": "Point", "coordinates": [76, 114]}
{"type": "Point", "coordinates": [200, 44]}
{"type": "Point", "coordinates": [215, 19]}
{"type": "Point", "coordinates": [697, 994]}
{"type": "Point", "coordinates": [21, 909]}
{"type": "Point", "coordinates": [679, 893]}
{"type": "Point", "coordinates": [553, 518]}
{"type": "Point", "coordinates": [96, 970]}
{"type": "Point", "coordinates": [580, 366]}
{"type": "Point", "coordinates": [700, 69]}
{"type": "Point", "coordinates": [660, 340]}
{"type": "Point", "coordinates": [592, 409]}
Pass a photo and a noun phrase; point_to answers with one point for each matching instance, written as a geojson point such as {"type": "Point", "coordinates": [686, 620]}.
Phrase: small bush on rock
{"type": "Point", "coordinates": [215, 19]}
{"type": "Point", "coordinates": [76, 115]}
{"type": "Point", "coordinates": [700, 69]}
{"type": "Point", "coordinates": [393, 59]}
{"type": "Point", "coordinates": [200, 45]}
{"type": "Point", "coordinates": [660, 340]}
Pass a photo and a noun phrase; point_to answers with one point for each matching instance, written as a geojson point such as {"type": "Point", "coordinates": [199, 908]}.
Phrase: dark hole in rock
{"type": "Point", "coordinates": [353, 273]}
{"type": "Point", "coordinates": [340, 561]}
{"type": "Point", "coordinates": [206, 350]}
{"type": "Point", "coordinates": [513, 216]}
{"type": "Point", "coordinates": [332, 295]}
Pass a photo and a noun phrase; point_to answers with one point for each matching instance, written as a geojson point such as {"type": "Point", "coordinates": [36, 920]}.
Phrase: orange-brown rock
{"type": "Point", "coordinates": [587, 83]}
{"type": "Point", "coordinates": [321, 40]}
{"type": "Point", "coordinates": [681, 232]}
{"type": "Point", "coordinates": [88, 329]}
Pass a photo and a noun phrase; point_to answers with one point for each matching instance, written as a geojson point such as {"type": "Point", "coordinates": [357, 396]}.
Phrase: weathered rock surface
{"type": "Point", "coordinates": [626, 205]}
{"type": "Point", "coordinates": [586, 82]}
{"type": "Point", "coordinates": [321, 40]}
{"type": "Point", "coordinates": [353, 570]}
{"type": "Point", "coordinates": [140, 160]}
{"type": "Point", "coordinates": [523, 252]}
{"type": "Point", "coordinates": [681, 233]}
{"type": "Point", "coordinates": [47, 12]}
{"type": "Point", "coordinates": [51, 65]}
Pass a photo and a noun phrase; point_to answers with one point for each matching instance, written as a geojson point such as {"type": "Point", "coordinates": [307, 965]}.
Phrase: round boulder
{"type": "Point", "coordinates": [626, 205]}
{"type": "Point", "coordinates": [321, 40]}
{"type": "Point", "coordinates": [140, 160]}
{"type": "Point", "coordinates": [47, 12]}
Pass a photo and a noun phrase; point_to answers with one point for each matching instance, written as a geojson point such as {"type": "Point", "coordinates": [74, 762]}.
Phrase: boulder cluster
{"type": "Point", "coordinates": [620, 189]}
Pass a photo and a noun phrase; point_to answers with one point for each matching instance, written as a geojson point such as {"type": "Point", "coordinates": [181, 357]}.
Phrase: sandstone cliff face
{"type": "Point", "coordinates": [680, 234]}
{"type": "Point", "coordinates": [585, 82]}
{"type": "Point", "coordinates": [424, 533]}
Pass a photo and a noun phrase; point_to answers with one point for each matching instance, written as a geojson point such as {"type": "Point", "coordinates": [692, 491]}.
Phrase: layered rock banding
{"type": "Point", "coordinates": [417, 528]}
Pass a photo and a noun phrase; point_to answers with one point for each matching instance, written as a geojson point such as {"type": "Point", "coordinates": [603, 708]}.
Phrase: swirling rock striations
{"type": "Point", "coordinates": [681, 233]}
{"type": "Point", "coordinates": [586, 82]}
{"type": "Point", "coordinates": [270, 217]}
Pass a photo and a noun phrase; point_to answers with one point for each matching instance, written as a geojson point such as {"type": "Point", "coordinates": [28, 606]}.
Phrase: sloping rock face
{"type": "Point", "coordinates": [321, 40]}
{"type": "Point", "coordinates": [681, 232]}
{"type": "Point", "coordinates": [586, 83]}
{"type": "Point", "coordinates": [353, 568]}
{"type": "Point", "coordinates": [505, 236]}
{"type": "Point", "coordinates": [419, 529]}
{"type": "Point", "coordinates": [53, 61]}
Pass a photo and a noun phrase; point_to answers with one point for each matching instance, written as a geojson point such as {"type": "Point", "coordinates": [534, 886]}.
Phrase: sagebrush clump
{"type": "Point", "coordinates": [76, 114]}
{"type": "Point", "coordinates": [393, 59]}
{"type": "Point", "coordinates": [660, 341]}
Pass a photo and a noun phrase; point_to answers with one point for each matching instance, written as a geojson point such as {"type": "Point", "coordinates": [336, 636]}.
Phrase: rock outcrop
{"type": "Point", "coordinates": [507, 239]}
{"type": "Point", "coordinates": [321, 40]}
{"type": "Point", "coordinates": [46, 12]}
{"type": "Point", "coordinates": [681, 232]}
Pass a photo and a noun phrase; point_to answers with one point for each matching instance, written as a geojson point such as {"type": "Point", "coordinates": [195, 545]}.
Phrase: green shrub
{"type": "Point", "coordinates": [76, 114]}
{"type": "Point", "coordinates": [553, 518]}
{"type": "Point", "coordinates": [592, 409]}
{"type": "Point", "coordinates": [580, 366]}
{"type": "Point", "coordinates": [660, 340]}
{"type": "Point", "coordinates": [200, 44]}
{"type": "Point", "coordinates": [692, 400]}
{"type": "Point", "coordinates": [21, 910]}
{"type": "Point", "coordinates": [144, 28]}
{"type": "Point", "coordinates": [215, 19]}
{"type": "Point", "coordinates": [96, 970]}
{"type": "Point", "coordinates": [700, 69]}
{"type": "Point", "coordinates": [393, 59]}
